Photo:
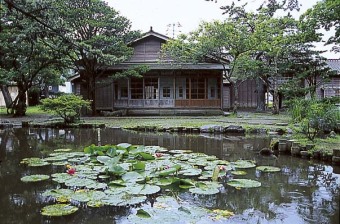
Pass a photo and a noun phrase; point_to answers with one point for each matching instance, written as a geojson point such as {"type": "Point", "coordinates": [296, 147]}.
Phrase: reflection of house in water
{"type": "Point", "coordinates": [223, 146]}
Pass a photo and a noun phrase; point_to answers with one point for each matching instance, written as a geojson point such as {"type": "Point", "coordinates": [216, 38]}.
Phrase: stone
{"type": "Point", "coordinates": [336, 152]}
{"type": "Point", "coordinates": [211, 128]}
{"type": "Point", "coordinates": [336, 160]}
{"type": "Point", "coordinates": [266, 152]}
{"type": "Point", "coordinates": [305, 154]}
{"type": "Point", "coordinates": [234, 129]}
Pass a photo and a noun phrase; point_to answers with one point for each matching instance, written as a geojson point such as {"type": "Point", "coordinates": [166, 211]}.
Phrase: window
{"type": "Point", "coordinates": [212, 92]}
{"type": "Point", "coordinates": [151, 88]}
{"type": "Point", "coordinates": [197, 88]}
{"type": "Point", "coordinates": [136, 88]}
{"type": "Point", "coordinates": [180, 92]}
{"type": "Point", "coordinates": [124, 92]}
{"type": "Point", "coordinates": [166, 92]}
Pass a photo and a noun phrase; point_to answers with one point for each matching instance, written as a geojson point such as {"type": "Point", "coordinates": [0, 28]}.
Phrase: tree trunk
{"type": "Point", "coordinates": [20, 107]}
{"type": "Point", "coordinates": [236, 97]}
{"type": "Point", "coordinates": [261, 95]}
{"type": "Point", "coordinates": [7, 96]}
{"type": "Point", "coordinates": [276, 101]}
{"type": "Point", "coordinates": [92, 93]}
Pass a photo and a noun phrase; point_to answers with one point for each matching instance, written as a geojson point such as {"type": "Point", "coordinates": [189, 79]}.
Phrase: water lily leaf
{"type": "Point", "coordinates": [145, 189]}
{"type": "Point", "coordinates": [124, 145]}
{"type": "Point", "coordinates": [58, 210]}
{"type": "Point", "coordinates": [140, 165]}
{"type": "Point", "coordinates": [244, 183]}
{"type": "Point", "coordinates": [80, 182]}
{"type": "Point", "coordinates": [104, 159]}
{"type": "Point", "coordinates": [56, 158]}
{"type": "Point", "coordinates": [103, 176]}
{"type": "Point", "coordinates": [118, 170]}
{"type": "Point", "coordinates": [34, 178]}
{"type": "Point", "coordinates": [186, 183]}
{"type": "Point", "coordinates": [204, 191]}
{"type": "Point", "coordinates": [80, 196]}
{"type": "Point", "coordinates": [244, 164]}
{"type": "Point", "coordinates": [222, 213]}
{"type": "Point", "coordinates": [178, 151]}
{"type": "Point", "coordinates": [34, 162]}
{"type": "Point", "coordinates": [112, 151]}
{"type": "Point", "coordinates": [167, 172]}
{"type": "Point", "coordinates": [146, 156]}
{"type": "Point", "coordinates": [238, 172]}
{"type": "Point", "coordinates": [191, 172]}
{"type": "Point", "coordinates": [57, 193]}
{"type": "Point", "coordinates": [62, 150]}
{"type": "Point", "coordinates": [86, 196]}
{"type": "Point", "coordinates": [162, 181]}
{"type": "Point", "coordinates": [61, 163]}
{"type": "Point", "coordinates": [268, 169]}
{"type": "Point", "coordinates": [95, 204]}
{"type": "Point", "coordinates": [118, 183]}
{"type": "Point", "coordinates": [132, 177]}
{"type": "Point", "coordinates": [123, 199]}
{"type": "Point", "coordinates": [143, 214]}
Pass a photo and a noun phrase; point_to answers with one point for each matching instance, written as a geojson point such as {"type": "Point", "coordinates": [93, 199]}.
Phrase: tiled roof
{"type": "Point", "coordinates": [334, 64]}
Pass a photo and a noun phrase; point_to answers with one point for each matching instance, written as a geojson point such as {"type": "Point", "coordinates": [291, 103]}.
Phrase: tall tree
{"type": "Point", "coordinates": [28, 51]}
{"type": "Point", "coordinates": [97, 37]}
{"type": "Point", "coordinates": [325, 14]}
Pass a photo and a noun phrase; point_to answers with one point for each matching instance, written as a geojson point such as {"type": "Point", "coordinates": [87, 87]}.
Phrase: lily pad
{"type": "Point", "coordinates": [238, 172]}
{"type": "Point", "coordinates": [143, 189]}
{"type": "Point", "coordinates": [143, 214]}
{"type": "Point", "coordinates": [58, 210]}
{"type": "Point", "coordinates": [268, 169]}
{"type": "Point", "coordinates": [34, 161]}
{"type": "Point", "coordinates": [244, 164]}
{"type": "Point", "coordinates": [206, 188]}
{"type": "Point", "coordinates": [123, 199]}
{"type": "Point", "coordinates": [244, 183]}
{"type": "Point", "coordinates": [178, 151]}
{"type": "Point", "coordinates": [34, 178]}
{"type": "Point", "coordinates": [62, 150]}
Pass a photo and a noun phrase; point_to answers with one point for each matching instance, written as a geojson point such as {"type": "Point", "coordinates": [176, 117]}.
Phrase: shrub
{"type": "Point", "coordinates": [67, 106]}
{"type": "Point", "coordinates": [315, 116]}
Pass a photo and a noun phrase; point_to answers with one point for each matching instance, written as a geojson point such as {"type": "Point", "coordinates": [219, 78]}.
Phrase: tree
{"type": "Point", "coordinates": [97, 38]}
{"type": "Point", "coordinates": [67, 106]}
{"type": "Point", "coordinates": [224, 42]}
{"type": "Point", "coordinates": [308, 71]}
{"type": "Point", "coordinates": [28, 52]}
{"type": "Point", "coordinates": [325, 14]}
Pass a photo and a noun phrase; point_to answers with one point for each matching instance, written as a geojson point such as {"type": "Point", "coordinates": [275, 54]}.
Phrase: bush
{"type": "Point", "coordinates": [315, 116]}
{"type": "Point", "coordinates": [67, 106]}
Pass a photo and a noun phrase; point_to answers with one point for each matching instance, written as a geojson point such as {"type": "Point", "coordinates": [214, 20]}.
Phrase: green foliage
{"type": "Point", "coordinates": [314, 116]}
{"type": "Point", "coordinates": [325, 14]}
{"type": "Point", "coordinates": [30, 53]}
{"type": "Point", "coordinates": [67, 106]}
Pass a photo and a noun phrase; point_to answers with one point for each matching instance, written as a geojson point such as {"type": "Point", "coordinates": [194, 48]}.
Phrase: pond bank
{"type": "Point", "coordinates": [242, 124]}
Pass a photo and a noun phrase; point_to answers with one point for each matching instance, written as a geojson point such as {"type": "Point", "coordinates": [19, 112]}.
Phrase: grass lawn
{"type": "Point", "coordinates": [31, 110]}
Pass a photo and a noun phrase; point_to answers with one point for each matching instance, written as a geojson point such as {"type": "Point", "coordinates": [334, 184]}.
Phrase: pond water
{"type": "Point", "coordinates": [302, 192]}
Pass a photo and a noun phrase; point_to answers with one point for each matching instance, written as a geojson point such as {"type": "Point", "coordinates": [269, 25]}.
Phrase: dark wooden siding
{"type": "Point", "coordinates": [247, 94]}
{"type": "Point", "coordinates": [146, 50]}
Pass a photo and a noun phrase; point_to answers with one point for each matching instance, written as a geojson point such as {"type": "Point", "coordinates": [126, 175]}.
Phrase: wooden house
{"type": "Point", "coordinates": [166, 89]}
{"type": "Point", "coordinates": [331, 87]}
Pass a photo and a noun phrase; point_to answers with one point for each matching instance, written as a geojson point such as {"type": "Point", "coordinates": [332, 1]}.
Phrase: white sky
{"type": "Point", "coordinates": [189, 13]}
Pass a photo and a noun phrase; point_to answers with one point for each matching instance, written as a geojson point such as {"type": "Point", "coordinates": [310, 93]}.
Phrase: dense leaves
{"type": "Point", "coordinates": [67, 106]}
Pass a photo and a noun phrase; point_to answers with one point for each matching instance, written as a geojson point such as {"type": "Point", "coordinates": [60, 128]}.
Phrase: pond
{"type": "Point", "coordinates": [302, 191]}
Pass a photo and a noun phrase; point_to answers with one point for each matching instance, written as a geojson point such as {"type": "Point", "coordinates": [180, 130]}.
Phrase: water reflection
{"type": "Point", "coordinates": [303, 192]}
